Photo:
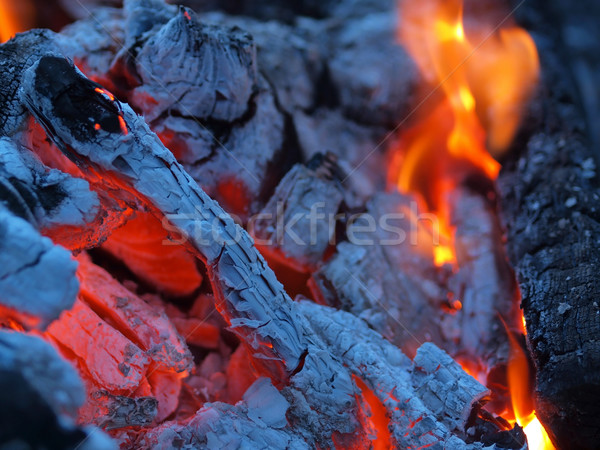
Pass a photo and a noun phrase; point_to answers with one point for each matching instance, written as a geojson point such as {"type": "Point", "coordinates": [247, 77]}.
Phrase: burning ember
{"type": "Point", "coordinates": [169, 178]}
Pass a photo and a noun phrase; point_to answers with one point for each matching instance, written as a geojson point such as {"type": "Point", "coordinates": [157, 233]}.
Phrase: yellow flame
{"type": "Point", "coordinates": [521, 392]}
{"type": "Point", "coordinates": [486, 77]}
{"type": "Point", "coordinates": [537, 438]}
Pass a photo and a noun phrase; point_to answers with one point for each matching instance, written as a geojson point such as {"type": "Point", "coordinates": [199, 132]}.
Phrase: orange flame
{"type": "Point", "coordinates": [15, 16]}
{"type": "Point", "coordinates": [519, 381]}
{"type": "Point", "coordinates": [486, 76]}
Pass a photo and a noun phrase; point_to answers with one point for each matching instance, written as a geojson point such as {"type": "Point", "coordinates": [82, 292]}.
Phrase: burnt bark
{"type": "Point", "coordinates": [549, 192]}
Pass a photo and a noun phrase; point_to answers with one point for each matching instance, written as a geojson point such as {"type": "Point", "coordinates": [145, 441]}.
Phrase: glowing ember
{"type": "Point", "coordinates": [377, 420]}
{"type": "Point", "coordinates": [106, 93]}
{"type": "Point", "coordinates": [486, 75]}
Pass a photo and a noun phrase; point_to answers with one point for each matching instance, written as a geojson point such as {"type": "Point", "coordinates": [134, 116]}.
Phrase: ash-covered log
{"type": "Point", "coordinates": [384, 273]}
{"type": "Point", "coordinates": [549, 202]}
{"type": "Point", "coordinates": [29, 259]}
{"type": "Point", "coordinates": [297, 225]}
{"type": "Point", "coordinates": [325, 408]}
{"type": "Point", "coordinates": [62, 207]}
{"type": "Point", "coordinates": [126, 153]}
{"type": "Point", "coordinates": [484, 284]}
{"type": "Point", "coordinates": [198, 87]}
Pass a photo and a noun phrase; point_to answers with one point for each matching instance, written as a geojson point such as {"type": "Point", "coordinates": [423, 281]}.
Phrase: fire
{"type": "Point", "coordinates": [14, 18]}
{"type": "Point", "coordinates": [522, 404]}
{"type": "Point", "coordinates": [486, 75]}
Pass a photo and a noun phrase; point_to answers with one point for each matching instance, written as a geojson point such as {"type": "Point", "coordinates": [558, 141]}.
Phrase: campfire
{"type": "Point", "coordinates": [355, 224]}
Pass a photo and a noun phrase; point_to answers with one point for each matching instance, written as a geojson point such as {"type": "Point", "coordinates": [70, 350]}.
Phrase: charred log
{"type": "Point", "coordinates": [16, 56]}
{"type": "Point", "coordinates": [133, 157]}
{"type": "Point", "coordinates": [552, 241]}
{"type": "Point", "coordinates": [45, 198]}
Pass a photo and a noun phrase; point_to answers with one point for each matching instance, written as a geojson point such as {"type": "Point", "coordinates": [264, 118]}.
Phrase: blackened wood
{"type": "Point", "coordinates": [129, 412]}
{"type": "Point", "coordinates": [549, 202]}
{"type": "Point", "coordinates": [15, 56]}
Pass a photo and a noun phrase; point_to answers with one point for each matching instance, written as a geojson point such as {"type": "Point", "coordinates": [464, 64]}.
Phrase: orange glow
{"type": "Point", "coordinates": [17, 320]}
{"type": "Point", "coordinates": [377, 419]}
{"type": "Point", "coordinates": [123, 126]}
{"type": "Point", "coordinates": [486, 76]}
{"type": "Point", "coordinates": [15, 16]}
{"type": "Point", "coordinates": [105, 92]}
